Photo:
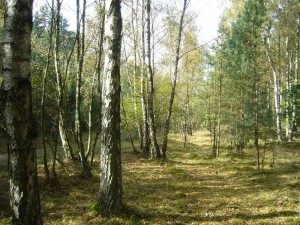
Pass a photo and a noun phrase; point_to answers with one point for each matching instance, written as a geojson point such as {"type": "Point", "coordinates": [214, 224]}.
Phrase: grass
{"type": "Point", "coordinates": [188, 188]}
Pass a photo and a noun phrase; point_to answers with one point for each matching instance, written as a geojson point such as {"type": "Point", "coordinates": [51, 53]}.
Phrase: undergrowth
{"type": "Point", "coordinates": [188, 188]}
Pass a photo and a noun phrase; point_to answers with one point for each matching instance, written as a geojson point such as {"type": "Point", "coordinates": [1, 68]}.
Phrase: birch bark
{"type": "Point", "coordinates": [24, 190]}
{"type": "Point", "coordinates": [110, 201]}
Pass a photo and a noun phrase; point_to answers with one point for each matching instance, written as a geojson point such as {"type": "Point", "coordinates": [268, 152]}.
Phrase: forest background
{"type": "Point", "coordinates": [239, 92]}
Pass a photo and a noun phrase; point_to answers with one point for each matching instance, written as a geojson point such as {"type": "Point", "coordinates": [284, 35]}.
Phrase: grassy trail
{"type": "Point", "coordinates": [188, 188]}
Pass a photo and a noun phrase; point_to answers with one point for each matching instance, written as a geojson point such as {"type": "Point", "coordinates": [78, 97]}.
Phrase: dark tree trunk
{"type": "Point", "coordinates": [24, 190]}
{"type": "Point", "coordinates": [110, 201]}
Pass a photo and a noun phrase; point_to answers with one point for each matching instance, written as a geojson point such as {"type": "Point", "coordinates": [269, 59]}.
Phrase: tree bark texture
{"type": "Point", "coordinates": [24, 191]}
{"type": "Point", "coordinates": [110, 202]}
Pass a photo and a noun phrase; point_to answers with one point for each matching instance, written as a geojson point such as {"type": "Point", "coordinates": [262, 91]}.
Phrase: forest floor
{"type": "Point", "coordinates": [188, 188]}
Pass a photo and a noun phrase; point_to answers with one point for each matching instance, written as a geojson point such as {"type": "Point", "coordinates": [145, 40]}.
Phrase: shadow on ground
{"type": "Point", "coordinates": [188, 188]}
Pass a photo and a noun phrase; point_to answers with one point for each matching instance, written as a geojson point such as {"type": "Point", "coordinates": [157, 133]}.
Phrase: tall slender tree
{"type": "Point", "coordinates": [145, 136]}
{"type": "Point", "coordinates": [59, 82]}
{"type": "Point", "coordinates": [24, 191]}
{"type": "Point", "coordinates": [80, 37]}
{"type": "Point", "coordinates": [174, 81]}
{"type": "Point", "coordinates": [155, 151]}
{"type": "Point", "coordinates": [45, 76]}
{"type": "Point", "coordinates": [110, 201]}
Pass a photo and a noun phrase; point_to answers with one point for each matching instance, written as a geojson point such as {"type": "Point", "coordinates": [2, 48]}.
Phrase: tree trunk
{"type": "Point", "coordinates": [277, 94]}
{"type": "Point", "coordinates": [91, 147]}
{"type": "Point", "coordinates": [86, 169]}
{"type": "Point", "coordinates": [134, 26]}
{"type": "Point", "coordinates": [219, 115]}
{"type": "Point", "coordinates": [174, 80]}
{"type": "Point", "coordinates": [24, 190]}
{"type": "Point", "coordinates": [145, 136]}
{"type": "Point", "coordinates": [60, 93]}
{"type": "Point", "coordinates": [110, 201]}
{"type": "Point", "coordinates": [296, 82]}
{"type": "Point", "coordinates": [127, 129]}
{"type": "Point", "coordinates": [288, 93]}
{"type": "Point", "coordinates": [46, 169]}
{"type": "Point", "coordinates": [155, 152]}
{"type": "Point", "coordinates": [256, 125]}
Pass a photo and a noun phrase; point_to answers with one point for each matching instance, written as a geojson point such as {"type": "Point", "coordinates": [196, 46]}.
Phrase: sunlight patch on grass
{"type": "Point", "coordinates": [189, 187]}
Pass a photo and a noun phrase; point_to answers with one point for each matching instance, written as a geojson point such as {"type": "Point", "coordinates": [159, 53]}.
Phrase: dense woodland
{"type": "Point", "coordinates": [169, 120]}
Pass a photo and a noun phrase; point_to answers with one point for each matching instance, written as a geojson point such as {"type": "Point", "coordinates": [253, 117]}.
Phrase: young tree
{"type": "Point", "coordinates": [24, 191]}
{"type": "Point", "coordinates": [110, 201]}
{"type": "Point", "coordinates": [145, 136]}
{"type": "Point", "coordinates": [174, 80]}
{"type": "Point", "coordinates": [59, 82]}
{"type": "Point", "coordinates": [80, 37]}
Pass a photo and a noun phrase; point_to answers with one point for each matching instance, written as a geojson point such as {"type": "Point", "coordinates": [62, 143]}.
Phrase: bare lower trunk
{"type": "Point", "coordinates": [110, 199]}
{"type": "Point", "coordinates": [63, 135]}
{"type": "Point", "coordinates": [256, 126]}
{"type": "Point", "coordinates": [23, 180]}
{"type": "Point", "coordinates": [219, 116]}
{"type": "Point", "coordinates": [127, 129]}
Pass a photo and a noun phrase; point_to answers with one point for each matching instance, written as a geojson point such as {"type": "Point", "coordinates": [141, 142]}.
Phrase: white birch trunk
{"type": "Point", "coordinates": [110, 198]}
{"type": "Point", "coordinates": [23, 180]}
{"type": "Point", "coordinates": [155, 152]}
{"type": "Point", "coordinates": [288, 93]}
{"type": "Point", "coordinates": [276, 90]}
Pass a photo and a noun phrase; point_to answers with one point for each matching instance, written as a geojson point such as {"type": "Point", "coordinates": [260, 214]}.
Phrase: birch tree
{"type": "Point", "coordinates": [59, 83]}
{"type": "Point", "coordinates": [143, 90]}
{"type": "Point", "coordinates": [80, 38]}
{"type": "Point", "coordinates": [155, 151]}
{"type": "Point", "coordinates": [110, 201]}
{"type": "Point", "coordinates": [24, 191]}
{"type": "Point", "coordinates": [173, 81]}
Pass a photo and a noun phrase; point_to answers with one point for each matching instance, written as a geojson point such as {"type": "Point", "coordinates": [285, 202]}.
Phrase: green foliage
{"type": "Point", "coordinates": [239, 63]}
